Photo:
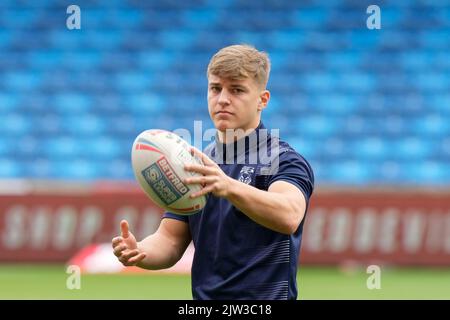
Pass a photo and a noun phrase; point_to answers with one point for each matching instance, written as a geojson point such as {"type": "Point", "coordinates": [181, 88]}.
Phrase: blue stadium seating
{"type": "Point", "coordinates": [365, 107]}
{"type": "Point", "coordinates": [10, 168]}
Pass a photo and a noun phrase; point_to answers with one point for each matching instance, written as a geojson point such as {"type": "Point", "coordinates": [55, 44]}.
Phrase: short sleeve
{"type": "Point", "coordinates": [179, 217]}
{"type": "Point", "coordinates": [293, 168]}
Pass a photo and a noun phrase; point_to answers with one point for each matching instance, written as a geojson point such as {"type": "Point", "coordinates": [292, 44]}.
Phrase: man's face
{"type": "Point", "coordinates": [235, 104]}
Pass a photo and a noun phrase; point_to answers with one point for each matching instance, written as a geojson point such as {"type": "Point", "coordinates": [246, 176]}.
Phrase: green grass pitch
{"type": "Point", "coordinates": [49, 282]}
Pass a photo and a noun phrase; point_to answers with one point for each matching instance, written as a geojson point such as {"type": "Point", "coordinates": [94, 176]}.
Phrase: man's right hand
{"type": "Point", "coordinates": [125, 247]}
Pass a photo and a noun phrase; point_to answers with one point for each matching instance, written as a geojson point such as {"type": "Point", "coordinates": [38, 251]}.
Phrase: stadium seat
{"type": "Point", "coordinates": [67, 103]}
{"type": "Point", "coordinates": [8, 102]}
{"type": "Point", "coordinates": [370, 149]}
{"type": "Point", "coordinates": [14, 125]}
{"type": "Point", "coordinates": [80, 169]}
{"type": "Point", "coordinates": [308, 18]}
{"type": "Point", "coordinates": [21, 80]}
{"type": "Point", "coordinates": [428, 173]}
{"type": "Point", "coordinates": [9, 168]}
{"type": "Point", "coordinates": [199, 19]}
{"type": "Point", "coordinates": [353, 172]}
{"type": "Point", "coordinates": [64, 147]}
{"type": "Point", "coordinates": [6, 147]}
{"type": "Point", "coordinates": [84, 125]}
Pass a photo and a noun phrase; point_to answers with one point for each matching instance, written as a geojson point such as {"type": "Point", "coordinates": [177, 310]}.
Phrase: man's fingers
{"type": "Point", "coordinates": [199, 169]}
{"type": "Point", "coordinates": [202, 192]}
{"type": "Point", "coordinates": [137, 258]}
{"type": "Point", "coordinates": [200, 180]}
{"type": "Point", "coordinates": [116, 241]}
{"type": "Point", "coordinates": [129, 254]}
{"type": "Point", "coordinates": [124, 228]}
{"type": "Point", "coordinates": [118, 250]}
{"type": "Point", "coordinates": [205, 159]}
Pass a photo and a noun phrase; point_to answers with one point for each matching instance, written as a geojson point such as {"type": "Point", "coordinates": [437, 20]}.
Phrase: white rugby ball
{"type": "Point", "coordinates": [158, 158]}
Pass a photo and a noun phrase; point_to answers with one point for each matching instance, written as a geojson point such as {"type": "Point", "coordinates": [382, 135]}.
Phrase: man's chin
{"type": "Point", "coordinates": [224, 125]}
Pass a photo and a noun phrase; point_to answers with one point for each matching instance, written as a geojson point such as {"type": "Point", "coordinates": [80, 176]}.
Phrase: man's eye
{"type": "Point", "coordinates": [215, 89]}
{"type": "Point", "coordinates": [238, 90]}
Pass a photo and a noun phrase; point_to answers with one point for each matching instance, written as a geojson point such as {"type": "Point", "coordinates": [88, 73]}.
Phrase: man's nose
{"type": "Point", "coordinates": [224, 98]}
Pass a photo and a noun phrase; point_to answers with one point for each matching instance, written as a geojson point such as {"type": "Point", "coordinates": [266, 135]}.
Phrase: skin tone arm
{"type": "Point", "coordinates": [281, 208]}
{"type": "Point", "coordinates": [158, 251]}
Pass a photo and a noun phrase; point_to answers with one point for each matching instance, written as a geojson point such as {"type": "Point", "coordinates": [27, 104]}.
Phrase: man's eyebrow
{"type": "Point", "coordinates": [235, 85]}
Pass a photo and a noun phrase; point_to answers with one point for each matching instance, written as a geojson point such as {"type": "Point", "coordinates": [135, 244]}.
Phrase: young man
{"type": "Point", "coordinates": [248, 236]}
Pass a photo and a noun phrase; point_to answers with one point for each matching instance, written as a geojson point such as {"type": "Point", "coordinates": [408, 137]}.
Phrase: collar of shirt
{"type": "Point", "coordinates": [235, 152]}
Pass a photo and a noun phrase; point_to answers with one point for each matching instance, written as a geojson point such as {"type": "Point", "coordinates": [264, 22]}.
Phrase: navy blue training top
{"type": "Point", "coordinates": [235, 257]}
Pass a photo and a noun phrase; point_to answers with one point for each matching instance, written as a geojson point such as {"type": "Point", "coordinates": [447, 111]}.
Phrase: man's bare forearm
{"type": "Point", "coordinates": [161, 252]}
{"type": "Point", "coordinates": [276, 211]}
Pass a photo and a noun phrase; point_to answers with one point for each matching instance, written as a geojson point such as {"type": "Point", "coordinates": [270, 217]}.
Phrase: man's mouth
{"type": "Point", "coordinates": [223, 112]}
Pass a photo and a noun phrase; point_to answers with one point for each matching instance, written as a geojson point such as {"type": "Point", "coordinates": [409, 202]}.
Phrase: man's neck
{"type": "Point", "coordinates": [232, 135]}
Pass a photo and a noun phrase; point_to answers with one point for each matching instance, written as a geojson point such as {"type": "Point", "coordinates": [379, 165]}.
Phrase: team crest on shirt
{"type": "Point", "coordinates": [246, 173]}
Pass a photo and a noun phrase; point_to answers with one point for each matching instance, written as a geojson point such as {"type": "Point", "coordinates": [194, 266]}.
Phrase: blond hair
{"type": "Point", "coordinates": [238, 62]}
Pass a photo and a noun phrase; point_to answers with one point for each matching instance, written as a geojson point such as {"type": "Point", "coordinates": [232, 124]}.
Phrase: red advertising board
{"type": "Point", "coordinates": [408, 228]}
{"type": "Point", "coordinates": [54, 227]}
